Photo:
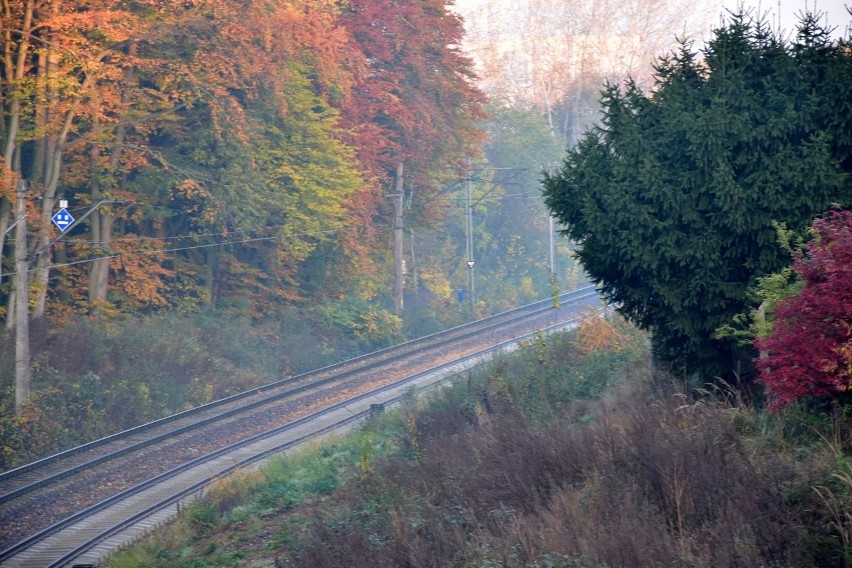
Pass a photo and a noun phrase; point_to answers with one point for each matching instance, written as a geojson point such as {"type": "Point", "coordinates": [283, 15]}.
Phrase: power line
{"type": "Point", "coordinates": [178, 249]}
{"type": "Point", "coordinates": [178, 237]}
{"type": "Point", "coordinates": [175, 237]}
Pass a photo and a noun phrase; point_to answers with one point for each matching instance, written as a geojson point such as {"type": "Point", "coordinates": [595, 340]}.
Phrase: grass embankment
{"type": "Point", "coordinates": [566, 454]}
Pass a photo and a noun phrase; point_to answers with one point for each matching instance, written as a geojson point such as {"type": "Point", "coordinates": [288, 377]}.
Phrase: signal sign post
{"type": "Point", "coordinates": [62, 219]}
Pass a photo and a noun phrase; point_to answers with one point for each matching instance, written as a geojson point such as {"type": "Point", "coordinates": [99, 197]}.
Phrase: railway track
{"type": "Point", "coordinates": [79, 504]}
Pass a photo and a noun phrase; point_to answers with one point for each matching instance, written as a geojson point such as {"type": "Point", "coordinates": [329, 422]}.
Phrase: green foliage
{"type": "Point", "coordinates": [765, 294]}
{"type": "Point", "coordinates": [674, 195]}
{"type": "Point", "coordinates": [520, 138]}
{"type": "Point", "coordinates": [548, 375]}
{"type": "Point", "coordinates": [60, 414]}
{"type": "Point", "coordinates": [290, 482]}
{"type": "Point", "coordinates": [372, 327]}
{"type": "Point", "coordinates": [203, 517]}
{"type": "Point", "coordinates": [513, 250]}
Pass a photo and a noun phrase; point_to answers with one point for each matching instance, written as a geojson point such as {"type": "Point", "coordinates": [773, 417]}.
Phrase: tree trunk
{"type": "Point", "coordinates": [99, 271]}
{"type": "Point", "coordinates": [42, 115]}
{"type": "Point", "coordinates": [213, 273]}
{"type": "Point", "coordinates": [14, 70]}
{"type": "Point", "coordinates": [99, 268]}
{"type": "Point", "coordinates": [22, 333]}
{"type": "Point", "coordinates": [5, 208]}
{"type": "Point", "coordinates": [42, 272]}
{"type": "Point", "coordinates": [398, 243]}
{"type": "Point", "coordinates": [102, 222]}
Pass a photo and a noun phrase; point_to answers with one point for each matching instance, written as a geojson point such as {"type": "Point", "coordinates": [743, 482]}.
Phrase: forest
{"type": "Point", "coordinates": [199, 196]}
{"type": "Point", "coordinates": [223, 149]}
{"type": "Point", "coordinates": [256, 188]}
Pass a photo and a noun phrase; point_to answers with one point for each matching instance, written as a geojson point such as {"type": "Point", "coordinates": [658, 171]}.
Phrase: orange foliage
{"type": "Point", "coordinates": [139, 271]}
{"type": "Point", "coordinates": [8, 182]}
{"type": "Point", "coordinates": [246, 46]}
{"type": "Point", "coordinates": [596, 333]}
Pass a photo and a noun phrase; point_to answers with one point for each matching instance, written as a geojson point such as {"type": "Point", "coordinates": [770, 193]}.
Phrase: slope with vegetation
{"type": "Point", "coordinates": [566, 454]}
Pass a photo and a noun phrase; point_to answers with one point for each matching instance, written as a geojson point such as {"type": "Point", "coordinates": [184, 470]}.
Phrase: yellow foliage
{"type": "Point", "coordinates": [437, 282]}
{"type": "Point", "coordinates": [596, 333]}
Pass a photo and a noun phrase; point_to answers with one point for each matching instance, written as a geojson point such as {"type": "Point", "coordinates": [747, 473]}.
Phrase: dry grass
{"type": "Point", "coordinates": [652, 481]}
{"type": "Point", "coordinates": [599, 333]}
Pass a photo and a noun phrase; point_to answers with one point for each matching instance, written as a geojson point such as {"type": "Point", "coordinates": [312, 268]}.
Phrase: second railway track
{"type": "Point", "coordinates": [39, 498]}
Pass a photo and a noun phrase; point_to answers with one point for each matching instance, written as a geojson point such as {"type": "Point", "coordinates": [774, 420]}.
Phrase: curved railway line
{"type": "Point", "coordinates": [76, 506]}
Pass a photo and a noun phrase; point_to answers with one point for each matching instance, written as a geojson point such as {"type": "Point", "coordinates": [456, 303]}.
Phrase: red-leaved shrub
{"type": "Point", "coordinates": [810, 347]}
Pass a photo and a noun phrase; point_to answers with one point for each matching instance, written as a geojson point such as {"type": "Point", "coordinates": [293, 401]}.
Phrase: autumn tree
{"type": "Point", "coordinates": [254, 173]}
{"type": "Point", "coordinates": [673, 198]}
{"type": "Point", "coordinates": [415, 103]}
{"type": "Point", "coordinates": [808, 352]}
{"type": "Point", "coordinates": [412, 102]}
{"type": "Point", "coordinates": [70, 100]}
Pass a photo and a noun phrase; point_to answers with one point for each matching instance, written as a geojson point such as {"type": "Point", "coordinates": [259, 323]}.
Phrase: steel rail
{"type": "Point", "coordinates": [91, 542]}
{"type": "Point", "coordinates": [436, 340]}
{"type": "Point", "coordinates": [388, 352]}
{"type": "Point", "coordinates": [366, 361]}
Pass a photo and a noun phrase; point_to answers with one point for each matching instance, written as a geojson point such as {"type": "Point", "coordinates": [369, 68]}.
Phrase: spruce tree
{"type": "Point", "coordinates": [673, 196]}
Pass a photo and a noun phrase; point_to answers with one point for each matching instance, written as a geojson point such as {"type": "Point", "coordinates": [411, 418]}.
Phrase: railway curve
{"type": "Point", "coordinates": [77, 505]}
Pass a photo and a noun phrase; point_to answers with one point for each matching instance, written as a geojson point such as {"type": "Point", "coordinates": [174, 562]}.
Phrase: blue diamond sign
{"type": "Point", "coordinates": [62, 219]}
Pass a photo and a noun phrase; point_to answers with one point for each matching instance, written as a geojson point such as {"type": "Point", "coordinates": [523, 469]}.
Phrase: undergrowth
{"type": "Point", "coordinates": [94, 378]}
{"type": "Point", "coordinates": [565, 454]}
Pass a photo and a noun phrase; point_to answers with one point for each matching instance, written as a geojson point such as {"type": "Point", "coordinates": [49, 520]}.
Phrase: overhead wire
{"type": "Point", "coordinates": [193, 247]}
{"type": "Point", "coordinates": [235, 231]}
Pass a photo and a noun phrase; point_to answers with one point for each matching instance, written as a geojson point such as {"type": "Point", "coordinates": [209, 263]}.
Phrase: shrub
{"type": "Point", "coordinates": [809, 351]}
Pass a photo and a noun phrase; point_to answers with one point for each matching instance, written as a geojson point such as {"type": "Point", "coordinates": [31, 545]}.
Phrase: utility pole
{"type": "Point", "coordinates": [22, 301]}
{"type": "Point", "coordinates": [398, 276]}
{"type": "Point", "coordinates": [552, 247]}
{"type": "Point", "coordinates": [469, 232]}
{"type": "Point", "coordinates": [554, 284]}
{"type": "Point", "coordinates": [413, 264]}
